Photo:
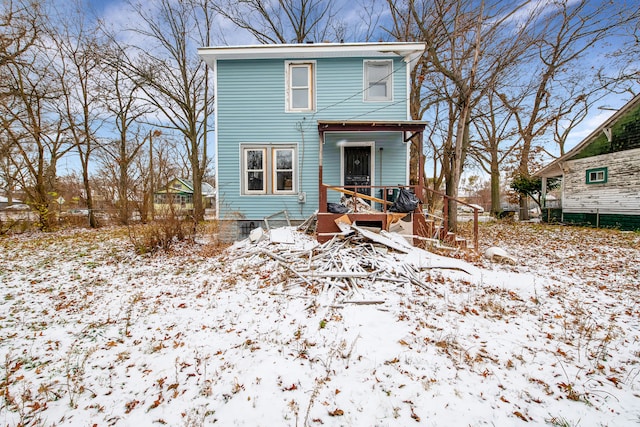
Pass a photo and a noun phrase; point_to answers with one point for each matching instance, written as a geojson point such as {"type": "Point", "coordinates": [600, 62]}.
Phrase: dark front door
{"type": "Point", "coordinates": [357, 168]}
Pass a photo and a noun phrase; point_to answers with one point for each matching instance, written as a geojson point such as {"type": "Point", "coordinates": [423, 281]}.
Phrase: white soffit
{"type": "Point", "coordinates": [409, 51]}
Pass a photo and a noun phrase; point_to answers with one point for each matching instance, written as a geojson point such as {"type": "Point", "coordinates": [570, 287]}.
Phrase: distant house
{"type": "Point", "coordinates": [178, 195]}
{"type": "Point", "coordinates": [4, 202]}
{"type": "Point", "coordinates": [299, 126]}
{"type": "Point", "coordinates": [601, 175]}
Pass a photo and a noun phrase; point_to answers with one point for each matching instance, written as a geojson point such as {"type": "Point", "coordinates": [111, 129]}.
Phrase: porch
{"type": "Point", "coordinates": [354, 151]}
{"type": "Point", "coordinates": [421, 227]}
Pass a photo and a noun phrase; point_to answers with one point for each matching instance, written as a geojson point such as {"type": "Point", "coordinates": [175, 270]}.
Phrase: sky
{"type": "Point", "coordinates": [111, 10]}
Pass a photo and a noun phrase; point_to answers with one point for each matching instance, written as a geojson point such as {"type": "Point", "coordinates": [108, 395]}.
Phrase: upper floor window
{"type": "Point", "coordinates": [300, 86]}
{"type": "Point", "coordinates": [269, 169]}
{"type": "Point", "coordinates": [378, 80]}
{"type": "Point", "coordinates": [597, 176]}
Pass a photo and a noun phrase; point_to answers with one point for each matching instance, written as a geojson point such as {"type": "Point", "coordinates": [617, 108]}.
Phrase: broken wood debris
{"type": "Point", "coordinates": [346, 265]}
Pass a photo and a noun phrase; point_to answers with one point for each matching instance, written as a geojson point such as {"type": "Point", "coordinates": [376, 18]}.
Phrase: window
{"type": "Point", "coordinates": [300, 86]}
{"type": "Point", "coordinates": [597, 176]}
{"type": "Point", "coordinates": [378, 80]}
{"type": "Point", "coordinates": [254, 162]}
{"type": "Point", "coordinates": [283, 170]}
{"type": "Point", "coordinates": [269, 169]}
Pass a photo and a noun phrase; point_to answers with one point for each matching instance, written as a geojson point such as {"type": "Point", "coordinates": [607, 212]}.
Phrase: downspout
{"type": "Point", "coordinates": [301, 195]}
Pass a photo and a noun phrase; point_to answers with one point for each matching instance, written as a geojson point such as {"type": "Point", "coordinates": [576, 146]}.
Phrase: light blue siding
{"type": "Point", "coordinates": [389, 164]}
{"type": "Point", "coordinates": [251, 109]}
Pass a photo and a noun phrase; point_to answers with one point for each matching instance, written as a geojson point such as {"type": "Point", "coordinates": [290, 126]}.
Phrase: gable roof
{"type": "Point", "coordinates": [554, 168]}
{"type": "Point", "coordinates": [207, 189]}
{"type": "Point", "coordinates": [409, 51]}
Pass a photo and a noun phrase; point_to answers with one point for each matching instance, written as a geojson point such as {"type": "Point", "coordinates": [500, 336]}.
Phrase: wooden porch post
{"type": "Point", "coordinates": [420, 187]}
{"type": "Point", "coordinates": [322, 191]}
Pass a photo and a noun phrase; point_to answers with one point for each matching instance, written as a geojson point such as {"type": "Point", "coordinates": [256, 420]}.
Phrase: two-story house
{"type": "Point", "coordinates": [299, 126]}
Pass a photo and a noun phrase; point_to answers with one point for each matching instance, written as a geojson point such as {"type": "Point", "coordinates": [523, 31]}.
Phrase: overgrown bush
{"type": "Point", "coordinates": [162, 233]}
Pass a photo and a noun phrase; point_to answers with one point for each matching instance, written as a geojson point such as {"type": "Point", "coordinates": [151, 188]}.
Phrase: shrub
{"type": "Point", "coordinates": [162, 233]}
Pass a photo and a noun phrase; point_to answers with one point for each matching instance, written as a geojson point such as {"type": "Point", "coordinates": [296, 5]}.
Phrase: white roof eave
{"type": "Point", "coordinates": [409, 51]}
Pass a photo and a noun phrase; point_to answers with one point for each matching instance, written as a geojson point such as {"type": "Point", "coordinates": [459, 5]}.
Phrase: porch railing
{"type": "Point", "coordinates": [354, 191]}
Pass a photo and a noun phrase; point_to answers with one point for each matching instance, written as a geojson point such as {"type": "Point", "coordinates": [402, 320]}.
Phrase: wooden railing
{"type": "Point", "coordinates": [445, 213]}
{"type": "Point", "coordinates": [353, 190]}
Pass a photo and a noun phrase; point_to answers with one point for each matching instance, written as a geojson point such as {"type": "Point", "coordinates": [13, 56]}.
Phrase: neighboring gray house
{"type": "Point", "coordinates": [601, 175]}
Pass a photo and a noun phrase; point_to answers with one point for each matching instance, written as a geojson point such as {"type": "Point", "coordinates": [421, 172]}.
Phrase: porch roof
{"type": "Point", "coordinates": [413, 126]}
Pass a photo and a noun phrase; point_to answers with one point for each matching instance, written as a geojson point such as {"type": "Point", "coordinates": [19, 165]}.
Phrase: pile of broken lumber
{"type": "Point", "coordinates": [297, 264]}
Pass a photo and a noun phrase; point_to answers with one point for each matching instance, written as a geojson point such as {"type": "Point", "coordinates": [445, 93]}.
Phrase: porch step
{"type": "Point", "coordinates": [455, 240]}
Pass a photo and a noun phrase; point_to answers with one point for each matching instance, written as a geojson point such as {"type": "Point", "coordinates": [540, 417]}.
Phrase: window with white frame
{"type": "Point", "coordinates": [254, 164]}
{"type": "Point", "coordinates": [283, 170]}
{"type": "Point", "coordinates": [300, 86]}
{"type": "Point", "coordinates": [269, 169]}
{"type": "Point", "coordinates": [378, 80]}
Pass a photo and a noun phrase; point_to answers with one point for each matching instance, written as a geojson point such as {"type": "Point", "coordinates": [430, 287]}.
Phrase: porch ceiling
{"type": "Point", "coordinates": [370, 126]}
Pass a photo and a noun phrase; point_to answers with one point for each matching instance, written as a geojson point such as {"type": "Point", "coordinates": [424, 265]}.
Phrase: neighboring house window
{"type": "Point", "coordinates": [378, 80]}
{"type": "Point", "coordinates": [269, 169]}
{"type": "Point", "coordinates": [597, 176]}
{"type": "Point", "coordinates": [300, 86]}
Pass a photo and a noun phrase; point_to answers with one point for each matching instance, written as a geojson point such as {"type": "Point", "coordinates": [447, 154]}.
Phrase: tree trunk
{"type": "Point", "coordinates": [123, 199]}
{"type": "Point", "coordinates": [495, 185]}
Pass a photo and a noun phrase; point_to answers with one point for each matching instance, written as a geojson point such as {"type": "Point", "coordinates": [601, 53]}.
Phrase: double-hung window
{"type": "Point", "coordinates": [300, 85]}
{"type": "Point", "coordinates": [254, 165]}
{"type": "Point", "coordinates": [269, 169]}
{"type": "Point", "coordinates": [378, 80]}
{"type": "Point", "coordinates": [282, 170]}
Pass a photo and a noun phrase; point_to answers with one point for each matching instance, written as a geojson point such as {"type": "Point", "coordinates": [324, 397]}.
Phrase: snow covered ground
{"type": "Point", "coordinates": [266, 334]}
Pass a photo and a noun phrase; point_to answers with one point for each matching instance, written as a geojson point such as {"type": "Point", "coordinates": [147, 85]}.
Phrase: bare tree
{"type": "Point", "coordinates": [18, 29]}
{"type": "Point", "coordinates": [79, 71]}
{"type": "Point", "coordinates": [284, 21]}
{"type": "Point", "coordinates": [18, 34]}
{"type": "Point", "coordinates": [174, 80]}
{"type": "Point", "coordinates": [563, 34]}
{"type": "Point", "coordinates": [127, 113]}
{"type": "Point", "coordinates": [28, 115]}
{"type": "Point", "coordinates": [494, 143]}
{"type": "Point", "coordinates": [467, 53]}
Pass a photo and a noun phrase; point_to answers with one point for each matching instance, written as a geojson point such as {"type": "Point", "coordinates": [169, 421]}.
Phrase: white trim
{"type": "Point", "coordinates": [410, 52]}
{"type": "Point", "coordinates": [372, 158]}
{"type": "Point", "coordinates": [407, 82]}
{"type": "Point", "coordinates": [243, 166]}
{"type": "Point", "coordinates": [366, 82]}
{"type": "Point", "coordinates": [269, 181]}
{"type": "Point", "coordinates": [287, 86]}
{"type": "Point", "coordinates": [215, 138]}
{"type": "Point", "coordinates": [274, 169]}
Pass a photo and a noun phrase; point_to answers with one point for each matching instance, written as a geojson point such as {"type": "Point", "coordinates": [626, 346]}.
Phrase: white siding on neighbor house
{"type": "Point", "coordinates": [620, 194]}
{"type": "Point", "coordinates": [251, 110]}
